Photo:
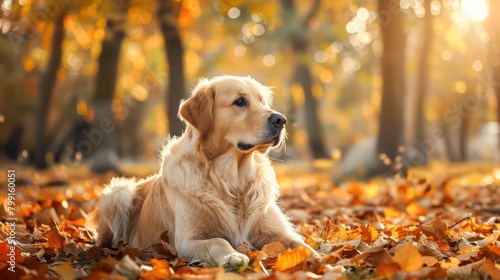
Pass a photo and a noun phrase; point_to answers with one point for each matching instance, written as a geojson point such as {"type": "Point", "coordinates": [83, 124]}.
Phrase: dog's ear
{"type": "Point", "coordinates": [198, 109]}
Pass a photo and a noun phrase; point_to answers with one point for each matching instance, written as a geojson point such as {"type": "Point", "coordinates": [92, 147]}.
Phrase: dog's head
{"type": "Point", "coordinates": [234, 113]}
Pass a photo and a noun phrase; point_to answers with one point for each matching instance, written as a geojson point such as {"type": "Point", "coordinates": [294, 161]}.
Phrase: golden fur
{"type": "Point", "coordinates": [215, 188]}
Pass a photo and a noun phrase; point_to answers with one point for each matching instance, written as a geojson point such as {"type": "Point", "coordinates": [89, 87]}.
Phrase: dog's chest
{"type": "Point", "coordinates": [246, 208]}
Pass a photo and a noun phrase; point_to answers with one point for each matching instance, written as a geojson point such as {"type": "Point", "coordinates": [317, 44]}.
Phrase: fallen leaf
{"type": "Point", "coordinates": [274, 249]}
{"type": "Point", "coordinates": [436, 229]}
{"type": "Point", "coordinates": [71, 249]}
{"type": "Point", "coordinates": [429, 260]}
{"type": "Point", "coordinates": [408, 257]}
{"type": "Point", "coordinates": [387, 269]}
{"type": "Point", "coordinates": [373, 257]}
{"type": "Point", "coordinates": [5, 251]}
{"type": "Point", "coordinates": [291, 258]}
{"type": "Point", "coordinates": [165, 241]}
{"type": "Point", "coordinates": [161, 270]}
{"type": "Point", "coordinates": [54, 237]}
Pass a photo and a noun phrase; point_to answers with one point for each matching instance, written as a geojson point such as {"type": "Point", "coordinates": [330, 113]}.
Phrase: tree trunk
{"type": "Point", "coordinates": [313, 125]}
{"type": "Point", "coordinates": [167, 15]}
{"type": "Point", "coordinates": [393, 74]}
{"type": "Point", "coordinates": [103, 133]}
{"type": "Point", "coordinates": [46, 86]}
{"type": "Point", "coordinates": [423, 80]}
{"type": "Point", "coordinates": [300, 40]}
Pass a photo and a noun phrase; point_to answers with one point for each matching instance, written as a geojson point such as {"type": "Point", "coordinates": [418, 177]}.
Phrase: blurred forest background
{"type": "Point", "coordinates": [368, 86]}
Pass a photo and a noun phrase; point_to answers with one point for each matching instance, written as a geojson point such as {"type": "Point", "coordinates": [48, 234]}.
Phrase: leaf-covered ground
{"type": "Point", "coordinates": [441, 222]}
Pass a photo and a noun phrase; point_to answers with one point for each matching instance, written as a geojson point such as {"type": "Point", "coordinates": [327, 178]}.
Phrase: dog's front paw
{"type": "Point", "coordinates": [234, 261]}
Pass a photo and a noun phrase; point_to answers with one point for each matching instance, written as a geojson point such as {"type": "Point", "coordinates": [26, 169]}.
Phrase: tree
{"type": "Point", "coordinates": [103, 131]}
{"type": "Point", "coordinates": [299, 37]}
{"type": "Point", "coordinates": [423, 79]}
{"type": "Point", "coordinates": [393, 74]}
{"type": "Point", "coordinates": [167, 16]}
{"type": "Point", "coordinates": [46, 87]}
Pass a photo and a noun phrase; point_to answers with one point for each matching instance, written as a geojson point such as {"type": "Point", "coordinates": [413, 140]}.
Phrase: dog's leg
{"type": "Point", "coordinates": [274, 226]}
{"type": "Point", "coordinates": [216, 249]}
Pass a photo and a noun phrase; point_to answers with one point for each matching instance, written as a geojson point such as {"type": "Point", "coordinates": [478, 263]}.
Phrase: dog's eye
{"type": "Point", "coordinates": [240, 102]}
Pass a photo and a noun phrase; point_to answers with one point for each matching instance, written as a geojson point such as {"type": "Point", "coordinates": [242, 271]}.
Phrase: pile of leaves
{"type": "Point", "coordinates": [440, 222]}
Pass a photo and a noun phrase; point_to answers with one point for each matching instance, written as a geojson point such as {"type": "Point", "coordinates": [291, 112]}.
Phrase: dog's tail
{"type": "Point", "coordinates": [114, 211]}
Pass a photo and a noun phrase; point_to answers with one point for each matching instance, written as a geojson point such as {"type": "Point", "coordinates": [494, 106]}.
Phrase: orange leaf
{"type": "Point", "coordinates": [408, 257]}
{"type": "Point", "coordinates": [494, 249]}
{"type": "Point", "coordinates": [5, 250]}
{"type": "Point", "coordinates": [161, 270]}
{"type": "Point", "coordinates": [292, 258]}
{"type": "Point", "coordinates": [387, 269]}
{"type": "Point", "coordinates": [55, 239]}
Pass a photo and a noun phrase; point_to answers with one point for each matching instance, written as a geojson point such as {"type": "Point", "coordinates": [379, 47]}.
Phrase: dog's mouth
{"type": "Point", "coordinates": [272, 141]}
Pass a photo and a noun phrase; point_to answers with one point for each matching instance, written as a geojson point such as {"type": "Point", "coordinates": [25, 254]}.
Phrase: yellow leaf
{"type": "Point", "coordinates": [291, 258]}
{"type": "Point", "coordinates": [408, 257]}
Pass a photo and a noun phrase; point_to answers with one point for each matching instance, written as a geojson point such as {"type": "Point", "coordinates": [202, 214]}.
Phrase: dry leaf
{"type": "Point", "coordinates": [436, 229]}
{"type": "Point", "coordinates": [373, 257]}
{"type": "Point", "coordinates": [408, 257]}
{"type": "Point", "coordinates": [274, 249]}
{"type": "Point", "coordinates": [5, 250]}
{"type": "Point", "coordinates": [165, 241]}
{"type": "Point", "coordinates": [292, 258]}
{"type": "Point", "coordinates": [54, 237]}
{"type": "Point", "coordinates": [429, 260]}
{"type": "Point", "coordinates": [71, 249]}
{"type": "Point", "coordinates": [387, 269]}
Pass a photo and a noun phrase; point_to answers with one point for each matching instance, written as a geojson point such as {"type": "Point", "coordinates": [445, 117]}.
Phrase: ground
{"type": "Point", "coordinates": [439, 222]}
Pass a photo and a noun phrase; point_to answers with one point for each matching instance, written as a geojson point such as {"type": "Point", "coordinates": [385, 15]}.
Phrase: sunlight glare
{"type": "Point", "coordinates": [476, 9]}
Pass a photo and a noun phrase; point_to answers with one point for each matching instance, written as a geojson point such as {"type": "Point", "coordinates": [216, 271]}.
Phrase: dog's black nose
{"type": "Point", "coordinates": [277, 120]}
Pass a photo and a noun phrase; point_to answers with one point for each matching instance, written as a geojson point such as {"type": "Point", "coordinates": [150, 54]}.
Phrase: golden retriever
{"type": "Point", "coordinates": [216, 187]}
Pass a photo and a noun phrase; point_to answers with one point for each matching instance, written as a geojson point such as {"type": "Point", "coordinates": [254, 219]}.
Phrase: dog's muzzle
{"type": "Point", "coordinates": [275, 125]}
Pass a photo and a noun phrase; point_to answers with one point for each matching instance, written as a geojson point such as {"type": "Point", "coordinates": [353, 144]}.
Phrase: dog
{"type": "Point", "coordinates": [216, 187]}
